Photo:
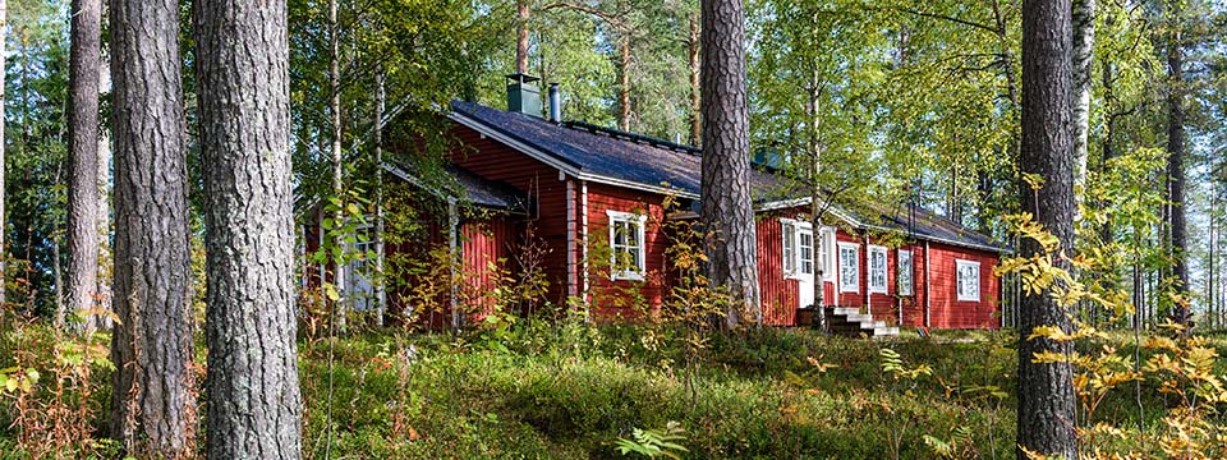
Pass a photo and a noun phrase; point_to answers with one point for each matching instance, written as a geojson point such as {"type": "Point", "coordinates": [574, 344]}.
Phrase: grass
{"type": "Point", "coordinates": [572, 390]}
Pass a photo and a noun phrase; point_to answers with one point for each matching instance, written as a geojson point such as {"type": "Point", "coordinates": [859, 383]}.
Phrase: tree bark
{"type": "Point", "coordinates": [1177, 225]}
{"type": "Point", "coordinates": [696, 102]}
{"type": "Point", "coordinates": [727, 207]}
{"type": "Point", "coordinates": [3, 105]}
{"type": "Point", "coordinates": [153, 409]}
{"type": "Point", "coordinates": [1045, 391]}
{"type": "Point", "coordinates": [624, 81]}
{"type": "Point", "coordinates": [381, 98]}
{"type": "Point", "coordinates": [242, 69]}
{"type": "Point", "coordinates": [84, 64]}
{"type": "Point", "coordinates": [338, 171]}
{"type": "Point", "coordinates": [522, 16]}
{"type": "Point", "coordinates": [1084, 53]}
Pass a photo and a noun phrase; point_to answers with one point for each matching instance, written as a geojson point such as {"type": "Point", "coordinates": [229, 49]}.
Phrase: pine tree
{"type": "Point", "coordinates": [152, 407]}
{"type": "Point", "coordinates": [242, 71]}
{"type": "Point", "coordinates": [1045, 390]}
{"type": "Point", "coordinates": [727, 207]}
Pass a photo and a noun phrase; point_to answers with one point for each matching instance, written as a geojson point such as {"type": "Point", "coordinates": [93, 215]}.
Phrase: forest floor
{"type": "Point", "coordinates": [573, 390]}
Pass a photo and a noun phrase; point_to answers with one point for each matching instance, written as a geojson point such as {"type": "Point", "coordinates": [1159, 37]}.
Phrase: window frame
{"type": "Point", "coordinates": [639, 222]}
{"type": "Point", "coordinates": [830, 259]}
{"type": "Point", "coordinates": [885, 272]}
{"type": "Point", "coordinates": [855, 288]}
{"type": "Point", "coordinates": [910, 271]}
{"type": "Point", "coordinates": [788, 255]}
{"type": "Point", "coordinates": [960, 264]}
{"type": "Point", "coordinates": [791, 260]}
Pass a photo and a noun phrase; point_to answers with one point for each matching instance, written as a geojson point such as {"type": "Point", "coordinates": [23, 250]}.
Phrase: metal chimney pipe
{"type": "Point", "coordinates": [555, 104]}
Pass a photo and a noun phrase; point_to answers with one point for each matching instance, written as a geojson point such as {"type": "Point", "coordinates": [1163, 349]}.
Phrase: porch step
{"type": "Point", "coordinates": [851, 322]}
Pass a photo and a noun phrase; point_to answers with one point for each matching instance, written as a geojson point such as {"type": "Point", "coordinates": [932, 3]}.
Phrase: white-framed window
{"type": "Point", "coordinates": [628, 260]}
{"type": "Point", "coordinates": [798, 248]}
{"type": "Point", "coordinates": [826, 253]}
{"type": "Point", "coordinates": [805, 252]}
{"type": "Point", "coordinates": [877, 269]}
{"type": "Point", "coordinates": [788, 228]}
{"type": "Point", "coordinates": [969, 280]}
{"type": "Point", "coordinates": [905, 279]}
{"type": "Point", "coordinates": [849, 267]}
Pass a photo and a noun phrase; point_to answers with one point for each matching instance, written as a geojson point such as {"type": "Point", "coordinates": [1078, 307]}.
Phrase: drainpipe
{"type": "Point", "coordinates": [453, 243]}
{"type": "Point", "coordinates": [928, 322]}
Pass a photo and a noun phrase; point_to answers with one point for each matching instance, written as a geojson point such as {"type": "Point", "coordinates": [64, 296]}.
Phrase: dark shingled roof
{"type": "Point", "coordinates": [484, 192]}
{"type": "Point", "coordinates": [464, 185]}
{"type": "Point", "coordinates": [653, 162]}
{"type": "Point", "coordinates": [607, 152]}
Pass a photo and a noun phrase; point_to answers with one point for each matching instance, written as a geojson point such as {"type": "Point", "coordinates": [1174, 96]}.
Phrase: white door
{"type": "Point", "coordinates": [805, 266]}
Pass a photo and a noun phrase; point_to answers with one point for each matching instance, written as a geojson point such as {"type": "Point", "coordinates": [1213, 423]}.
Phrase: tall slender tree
{"type": "Point", "coordinates": [3, 111]}
{"type": "Point", "coordinates": [1084, 53]}
{"type": "Point", "coordinates": [1045, 390]}
{"type": "Point", "coordinates": [153, 410]}
{"type": "Point", "coordinates": [1177, 225]}
{"type": "Point", "coordinates": [86, 49]}
{"type": "Point", "coordinates": [727, 206]}
{"type": "Point", "coordinates": [242, 72]}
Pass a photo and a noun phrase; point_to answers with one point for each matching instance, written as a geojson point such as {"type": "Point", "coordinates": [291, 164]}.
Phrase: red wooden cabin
{"type": "Point", "coordinates": [589, 191]}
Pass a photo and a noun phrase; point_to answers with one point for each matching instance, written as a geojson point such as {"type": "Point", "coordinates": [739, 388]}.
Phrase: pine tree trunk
{"type": "Point", "coordinates": [727, 208]}
{"type": "Point", "coordinates": [1045, 391]}
{"type": "Point", "coordinates": [522, 16]}
{"type": "Point", "coordinates": [83, 147]}
{"type": "Point", "coordinates": [3, 105]}
{"type": "Point", "coordinates": [1084, 53]}
{"type": "Point", "coordinates": [696, 103]}
{"type": "Point", "coordinates": [153, 409]}
{"type": "Point", "coordinates": [242, 69]}
{"type": "Point", "coordinates": [624, 82]}
{"type": "Point", "coordinates": [1177, 225]}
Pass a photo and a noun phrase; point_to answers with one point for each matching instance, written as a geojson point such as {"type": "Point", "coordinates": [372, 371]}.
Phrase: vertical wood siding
{"type": "Point", "coordinates": [615, 300]}
{"type": "Point", "coordinates": [495, 161]}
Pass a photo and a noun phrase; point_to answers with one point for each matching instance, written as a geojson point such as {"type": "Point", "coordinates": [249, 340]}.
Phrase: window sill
{"type": "Point", "coordinates": [627, 276]}
{"type": "Point", "coordinates": [967, 300]}
{"type": "Point", "coordinates": [843, 290]}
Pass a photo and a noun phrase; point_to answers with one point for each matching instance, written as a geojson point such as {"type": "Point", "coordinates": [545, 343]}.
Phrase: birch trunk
{"type": "Point", "coordinates": [1084, 54]}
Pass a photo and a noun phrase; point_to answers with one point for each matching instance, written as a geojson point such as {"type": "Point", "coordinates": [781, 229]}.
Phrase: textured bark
{"type": "Point", "coordinates": [522, 17]}
{"type": "Point", "coordinates": [242, 69]}
{"type": "Point", "coordinates": [1084, 53]}
{"type": "Point", "coordinates": [83, 146]}
{"type": "Point", "coordinates": [624, 82]}
{"type": "Point", "coordinates": [696, 102]}
{"type": "Point", "coordinates": [727, 211]}
{"type": "Point", "coordinates": [338, 166]}
{"type": "Point", "coordinates": [1177, 224]}
{"type": "Point", "coordinates": [153, 407]}
{"type": "Point", "coordinates": [3, 216]}
{"type": "Point", "coordinates": [381, 98]}
{"type": "Point", "coordinates": [1045, 391]}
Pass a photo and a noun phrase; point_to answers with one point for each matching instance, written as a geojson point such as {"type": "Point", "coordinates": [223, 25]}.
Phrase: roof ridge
{"type": "Point", "coordinates": [632, 137]}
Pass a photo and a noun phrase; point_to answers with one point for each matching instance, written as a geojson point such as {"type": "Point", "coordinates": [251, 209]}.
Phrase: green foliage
{"type": "Point", "coordinates": [655, 443]}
